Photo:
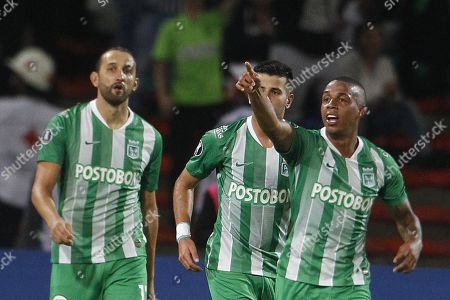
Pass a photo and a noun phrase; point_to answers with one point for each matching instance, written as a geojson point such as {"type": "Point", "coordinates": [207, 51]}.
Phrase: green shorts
{"type": "Point", "coordinates": [238, 286]}
{"type": "Point", "coordinates": [286, 289]}
{"type": "Point", "coordinates": [115, 280]}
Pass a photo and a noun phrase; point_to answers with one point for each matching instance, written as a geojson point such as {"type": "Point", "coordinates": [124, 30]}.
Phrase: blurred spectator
{"type": "Point", "coordinates": [249, 32]}
{"type": "Point", "coordinates": [23, 116]}
{"type": "Point", "coordinates": [306, 34]}
{"type": "Point", "coordinates": [390, 113]}
{"type": "Point", "coordinates": [193, 95]}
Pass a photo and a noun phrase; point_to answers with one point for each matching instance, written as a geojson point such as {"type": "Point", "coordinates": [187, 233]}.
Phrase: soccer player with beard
{"type": "Point", "coordinates": [335, 176]}
{"type": "Point", "coordinates": [106, 161]}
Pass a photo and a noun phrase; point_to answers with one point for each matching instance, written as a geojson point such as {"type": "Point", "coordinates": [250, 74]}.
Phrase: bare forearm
{"type": "Point", "coordinates": [45, 205]}
{"type": "Point", "coordinates": [183, 201]}
{"type": "Point", "coordinates": [152, 236]}
{"type": "Point", "coordinates": [279, 131]}
{"type": "Point", "coordinates": [409, 228]}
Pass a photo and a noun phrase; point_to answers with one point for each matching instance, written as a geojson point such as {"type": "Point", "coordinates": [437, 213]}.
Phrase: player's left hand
{"type": "Point", "coordinates": [407, 256]}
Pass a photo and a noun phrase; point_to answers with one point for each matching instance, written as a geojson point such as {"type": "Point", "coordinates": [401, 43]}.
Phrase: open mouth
{"type": "Point", "coordinates": [331, 119]}
{"type": "Point", "coordinates": [118, 87]}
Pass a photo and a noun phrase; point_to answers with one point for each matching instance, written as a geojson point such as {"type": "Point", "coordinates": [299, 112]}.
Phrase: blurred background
{"type": "Point", "coordinates": [189, 54]}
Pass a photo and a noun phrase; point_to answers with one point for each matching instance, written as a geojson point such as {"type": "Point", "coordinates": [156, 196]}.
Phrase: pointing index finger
{"type": "Point", "coordinates": [249, 68]}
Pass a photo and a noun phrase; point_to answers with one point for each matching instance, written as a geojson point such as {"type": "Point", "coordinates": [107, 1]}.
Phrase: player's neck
{"type": "Point", "coordinates": [114, 116]}
{"type": "Point", "coordinates": [263, 138]}
{"type": "Point", "coordinates": [345, 144]}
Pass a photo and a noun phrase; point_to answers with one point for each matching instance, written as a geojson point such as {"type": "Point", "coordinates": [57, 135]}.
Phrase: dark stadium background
{"type": "Point", "coordinates": [417, 38]}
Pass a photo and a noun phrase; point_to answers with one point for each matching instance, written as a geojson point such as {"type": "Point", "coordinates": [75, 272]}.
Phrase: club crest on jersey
{"type": "Point", "coordinates": [133, 149]}
{"type": "Point", "coordinates": [368, 177]}
{"type": "Point", "coordinates": [284, 169]}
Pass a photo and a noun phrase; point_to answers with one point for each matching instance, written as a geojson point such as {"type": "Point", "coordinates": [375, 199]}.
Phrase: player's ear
{"type": "Point", "coordinates": [135, 84]}
{"type": "Point", "coordinates": [289, 101]}
{"type": "Point", "coordinates": [364, 110]}
{"type": "Point", "coordinates": [94, 78]}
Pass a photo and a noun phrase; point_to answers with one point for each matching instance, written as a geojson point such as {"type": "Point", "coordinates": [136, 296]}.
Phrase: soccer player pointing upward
{"type": "Point", "coordinates": [335, 177]}
{"type": "Point", "coordinates": [253, 180]}
{"type": "Point", "coordinates": [102, 155]}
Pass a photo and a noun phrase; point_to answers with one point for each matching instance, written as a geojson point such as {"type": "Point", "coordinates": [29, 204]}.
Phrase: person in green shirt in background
{"type": "Point", "coordinates": [192, 96]}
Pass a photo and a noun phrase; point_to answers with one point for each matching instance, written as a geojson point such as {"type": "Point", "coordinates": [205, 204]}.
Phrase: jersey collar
{"type": "Point", "coordinates": [252, 131]}
{"type": "Point", "coordinates": [93, 105]}
{"type": "Point", "coordinates": [330, 144]}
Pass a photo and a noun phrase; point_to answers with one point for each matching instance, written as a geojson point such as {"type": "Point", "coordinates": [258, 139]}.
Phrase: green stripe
{"type": "Point", "coordinates": [241, 255]}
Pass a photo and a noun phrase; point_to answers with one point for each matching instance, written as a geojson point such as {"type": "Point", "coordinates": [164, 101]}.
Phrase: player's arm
{"type": "Point", "coordinates": [47, 174]}
{"type": "Point", "coordinates": [183, 201]}
{"type": "Point", "coordinates": [279, 131]}
{"type": "Point", "coordinates": [408, 226]}
{"type": "Point", "coordinates": [150, 212]}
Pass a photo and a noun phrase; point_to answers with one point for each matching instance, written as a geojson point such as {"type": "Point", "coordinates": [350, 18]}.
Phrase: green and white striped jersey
{"type": "Point", "coordinates": [331, 199]}
{"type": "Point", "coordinates": [102, 172]}
{"type": "Point", "coordinates": [254, 204]}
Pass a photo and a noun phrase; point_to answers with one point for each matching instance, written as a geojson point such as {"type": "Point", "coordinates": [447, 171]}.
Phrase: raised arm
{"type": "Point", "coordinates": [47, 174]}
{"type": "Point", "coordinates": [408, 226]}
{"type": "Point", "coordinates": [279, 131]}
{"type": "Point", "coordinates": [183, 201]}
{"type": "Point", "coordinates": [151, 224]}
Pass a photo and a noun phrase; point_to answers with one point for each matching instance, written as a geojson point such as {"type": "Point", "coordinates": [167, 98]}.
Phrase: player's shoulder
{"type": "Point", "coordinates": [140, 121]}
{"type": "Point", "coordinates": [69, 114]}
{"type": "Point", "coordinates": [381, 153]}
{"type": "Point", "coordinates": [226, 132]}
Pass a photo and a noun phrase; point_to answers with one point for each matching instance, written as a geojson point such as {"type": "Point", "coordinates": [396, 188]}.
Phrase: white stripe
{"type": "Point", "coordinates": [131, 220]}
{"type": "Point", "coordinates": [261, 224]}
{"type": "Point", "coordinates": [77, 201]}
{"type": "Point", "coordinates": [302, 224]}
{"type": "Point", "coordinates": [338, 223]}
{"type": "Point", "coordinates": [149, 144]}
{"type": "Point", "coordinates": [380, 167]}
{"type": "Point", "coordinates": [354, 178]}
{"type": "Point", "coordinates": [231, 210]}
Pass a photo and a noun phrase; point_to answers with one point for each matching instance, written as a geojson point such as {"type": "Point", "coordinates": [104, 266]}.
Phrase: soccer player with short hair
{"type": "Point", "coordinates": [254, 204]}
{"type": "Point", "coordinates": [335, 178]}
{"type": "Point", "coordinates": [103, 156]}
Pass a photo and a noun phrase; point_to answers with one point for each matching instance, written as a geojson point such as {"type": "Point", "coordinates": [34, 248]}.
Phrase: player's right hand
{"type": "Point", "coordinates": [62, 233]}
{"type": "Point", "coordinates": [249, 81]}
{"type": "Point", "coordinates": [187, 254]}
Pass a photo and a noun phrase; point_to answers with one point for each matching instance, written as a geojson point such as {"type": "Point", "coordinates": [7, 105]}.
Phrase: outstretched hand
{"type": "Point", "coordinates": [249, 81]}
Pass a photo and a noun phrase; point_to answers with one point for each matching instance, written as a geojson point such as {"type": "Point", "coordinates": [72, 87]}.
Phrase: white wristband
{"type": "Point", "coordinates": [183, 230]}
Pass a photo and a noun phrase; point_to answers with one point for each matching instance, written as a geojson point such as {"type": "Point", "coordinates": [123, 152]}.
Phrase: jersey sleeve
{"type": "Point", "coordinates": [302, 140]}
{"type": "Point", "coordinates": [393, 192]}
{"type": "Point", "coordinates": [207, 156]}
{"type": "Point", "coordinates": [53, 141]}
{"type": "Point", "coordinates": [150, 178]}
{"type": "Point", "coordinates": [164, 44]}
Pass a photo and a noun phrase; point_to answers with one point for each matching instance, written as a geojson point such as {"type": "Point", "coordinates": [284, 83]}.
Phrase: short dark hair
{"type": "Point", "coordinates": [116, 48]}
{"type": "Point", "coordinates": [352, 82]}
{"type": "Point", "coordinates": [274, 67]}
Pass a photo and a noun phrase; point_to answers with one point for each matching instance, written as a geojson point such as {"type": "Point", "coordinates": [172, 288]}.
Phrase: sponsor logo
{"type": "Point", "coordinates": [220, 130]}
{"type": "Point", "coordinates": [341, 198]}
{"type": "Point", "coordinates": [91, 142]}
{"type": "Point", "coordinates": [258, 196]}
{"type": "Point", "coordinates": [107, 175]}
{"type": "Point", "coordinates": [238, 164]}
